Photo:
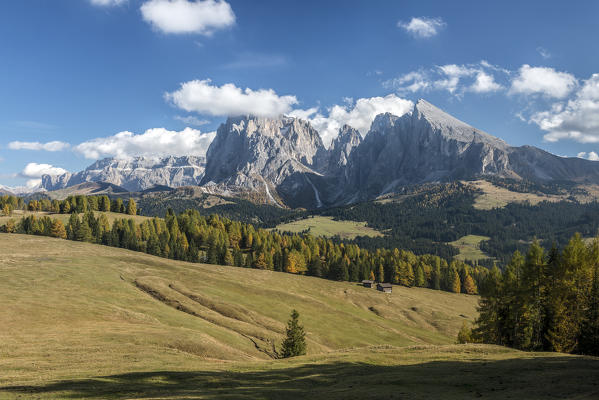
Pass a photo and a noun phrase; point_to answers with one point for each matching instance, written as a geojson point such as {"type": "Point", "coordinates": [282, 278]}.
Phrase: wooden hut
{"type": "Point", "coordinates": [367, 283]}
{"type": "Point", "coordinates": [384, 287]}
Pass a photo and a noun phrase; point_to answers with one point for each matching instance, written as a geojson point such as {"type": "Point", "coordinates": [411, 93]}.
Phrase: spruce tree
{"type": "Point", "coordinates": [131, 207]}
{"type": "Point", "coordinates": [58, 230]}
{"type": "Point", "coordinates": [295, 343]}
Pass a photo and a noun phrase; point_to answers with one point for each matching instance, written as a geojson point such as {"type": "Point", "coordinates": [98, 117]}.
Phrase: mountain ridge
{"type": "Point", "coordinates": [283, 160]}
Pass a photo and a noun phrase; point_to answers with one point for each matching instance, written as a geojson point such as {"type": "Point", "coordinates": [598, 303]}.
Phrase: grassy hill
{"type": "Point", "coordinates": [469, 247]}
{"type": "Point", "coordinates": [87, 321]}
{"type": "Point", "coordinates": [327, 226]}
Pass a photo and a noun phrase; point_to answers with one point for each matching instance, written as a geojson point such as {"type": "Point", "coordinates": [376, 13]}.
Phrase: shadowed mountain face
{"type": "Point", "coordinates": [283, 160]}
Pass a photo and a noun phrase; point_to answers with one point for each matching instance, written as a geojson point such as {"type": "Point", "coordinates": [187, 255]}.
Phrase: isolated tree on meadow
{"type": "Point", "coordinates": [295, 343]}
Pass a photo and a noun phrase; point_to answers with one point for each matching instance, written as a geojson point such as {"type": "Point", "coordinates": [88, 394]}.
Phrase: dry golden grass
{"type": "Point", "coordinates": [469, 247]}
{"type": "Point", "coordinates": [498, 197]}
{"type": "Point", "coordinates": [88, 321]}
{"type": "Point", "coordinates": [327, 226]}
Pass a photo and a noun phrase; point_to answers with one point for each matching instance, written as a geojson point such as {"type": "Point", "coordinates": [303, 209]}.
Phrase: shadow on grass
{"type": "Point", "coordinates": [526, 378]}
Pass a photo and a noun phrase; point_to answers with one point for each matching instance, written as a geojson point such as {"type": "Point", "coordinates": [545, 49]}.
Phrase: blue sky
{"type": "Point", "coordinates": [75, 73]}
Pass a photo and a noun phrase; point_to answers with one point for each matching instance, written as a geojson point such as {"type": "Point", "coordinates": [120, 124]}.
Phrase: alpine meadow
{"type": "Point", "coordinates": [222, 199]}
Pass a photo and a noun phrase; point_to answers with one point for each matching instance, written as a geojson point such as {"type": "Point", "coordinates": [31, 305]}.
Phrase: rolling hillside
{"type": "Point", "coordinates": [88, 321]}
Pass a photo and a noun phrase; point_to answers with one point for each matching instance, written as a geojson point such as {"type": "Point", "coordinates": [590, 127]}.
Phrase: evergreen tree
{"type": "Point", "coordinates": [131, 207]}
{"type": "Point", "coordinates": [465, 334]}
{"type": "Point", "coordinates": [419, 278]}
{"type": "Point", "coordinates": [58, 230]}
{"type": "Point", "coordinates": [295, 342]}
{"type": "Point", "coordinates": [83, 233]}
{"type": "Point", "coordinates": [589, 332]}
{"type": "Point", "coordinates": [468, 286]}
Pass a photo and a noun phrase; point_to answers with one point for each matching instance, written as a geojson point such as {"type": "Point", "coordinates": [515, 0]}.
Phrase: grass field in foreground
{"type": "Point", "coordinates": [88, 321]}
{"type": "Point", "coordinates": [327, 226]}
{"type": "Point", "coordinates": [469, 247]}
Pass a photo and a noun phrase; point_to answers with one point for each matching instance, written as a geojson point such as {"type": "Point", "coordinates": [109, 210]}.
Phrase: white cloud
{"type": "Point", "coordinates": [50, 146]}
{"type": "Point", "coordinates": [108, 3]}
{"type": "Point", "coordinates": [153, 142]}
{"type": "Point", "coordinates": [422, 27]}
{"type": "Point", "coordinates": [191, 120]}
{"type": "Point", "coordinates": [544, 81]}
{"type": "Point", "coordinates": [591, 155]}
{"type": "Point", "coordinates": [576, 119]}
{"type": "Point", "coordinates": [485, 83]}
{"type": "Point", "coordinates": [35, 171]}
{"type": "Point", "coordinates": [544, 53]}
{"type": "Point", "coordinates": [453, 78]}
{"type": "Point", "coordinates": [183, 16]}
{"type": "Point", "coordinates": [228, 100]}
{"type": "Point", "coordinates": [358, 115]}
{"type": "Point", "coordinates": [303, 114]}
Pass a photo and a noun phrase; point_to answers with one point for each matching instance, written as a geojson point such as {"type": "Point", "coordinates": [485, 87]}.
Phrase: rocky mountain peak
{"type": "Point", "coordinates": [283, 160]}
{"type": "Point", "coordinates": [342, 146]}
{"type": "Point", "coordinates": [424, 113]}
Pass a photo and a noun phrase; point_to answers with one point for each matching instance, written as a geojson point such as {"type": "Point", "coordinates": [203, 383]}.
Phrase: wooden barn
{"type": "Point", "coordinates": [384, 287]}
{"type": "Point", "coordinates": [368, 284]}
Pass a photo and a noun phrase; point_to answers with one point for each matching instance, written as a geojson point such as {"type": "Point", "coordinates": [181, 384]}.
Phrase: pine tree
{"type": "Point", "coordinates": [131, 207]}
{"type": "Point", "coordinates": [465, 334]}
{"type": "Point", "coordinates": [105, 204]}
{"type": "Point", "coordinates": [83, 232]}
{"type": "Point", "coordinates": [228, 259]}
{"type": "Point", "coordinates": [589, 332]}
{"type": "Point", "coordinates": [58, 230]}
{"type": "Point", "coordinates": [436, 278]}
{"type": "Point", "coordinates": [381, 274]}
{"type": "Point", "coordinates": [295, 342]}
{"type": "Point", "coordinates": [469, 287]}
{"type": "Point", "coordinates": [419, 278]}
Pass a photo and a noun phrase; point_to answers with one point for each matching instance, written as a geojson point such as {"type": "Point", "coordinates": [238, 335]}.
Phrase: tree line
{"type": "Point", "coordinates": [543, 301]}
{"type": "Point", "coordinates": [212, 239]}
{"type": "Point", "coordinates": [72, 204]}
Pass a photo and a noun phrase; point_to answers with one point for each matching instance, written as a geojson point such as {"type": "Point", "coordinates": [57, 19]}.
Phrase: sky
{"type": "Point", "coordinates": [81, 80]}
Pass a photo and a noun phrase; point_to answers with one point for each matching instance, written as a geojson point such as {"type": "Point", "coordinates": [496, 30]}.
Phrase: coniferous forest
{"type": "Point", "coordinates": [540, 301]}
{"type": "Point", "coordinates": [212, 239]}
{"type": "Point", "coordinates": [544, 300]}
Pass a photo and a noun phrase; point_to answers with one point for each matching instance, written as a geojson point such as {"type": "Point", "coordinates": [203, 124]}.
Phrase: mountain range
{"type": "Point", "coordinates": [283, 161]}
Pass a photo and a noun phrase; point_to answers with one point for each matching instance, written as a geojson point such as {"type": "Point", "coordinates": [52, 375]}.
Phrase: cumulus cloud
{"type": "Point", "coordinates": [183, 16]}
{"type": "Point", "coordinates": [36, 171]}
{"type": "Point", "coordinates": [49, 146]}
{"type": "Point", "coordinates": [576, 119]}
{"type": "Point", "coordinates": [453, 78]}
{"type": "Point", "coordinates": [228, 100]}
{"type": "Point", "coordinates": [485, 83]}
{"type": "Point", "coordinates": [358, 114]}
{"type": "Point", "coordinates": [543, 81]}
{"type": "Point", "coordinates": [591, 155]}
{"type": "Point", "coordinates": [107, 3]}
{"type": "Point", "coordinates": [153, 142]}
{"type": "Point", "coordinates": [422, 27]}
